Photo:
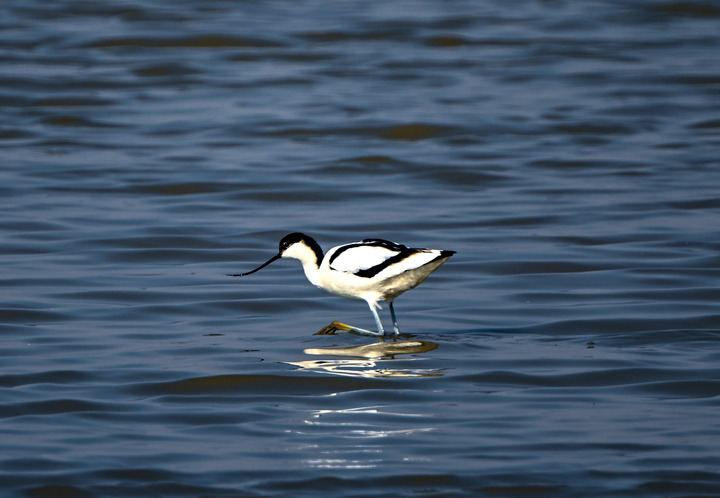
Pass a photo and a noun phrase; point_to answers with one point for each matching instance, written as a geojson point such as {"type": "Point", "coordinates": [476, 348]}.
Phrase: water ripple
{"type": "Point", "coordinates": [567, 151]}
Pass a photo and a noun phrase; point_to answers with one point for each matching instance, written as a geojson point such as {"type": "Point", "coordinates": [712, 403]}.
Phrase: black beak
{"type": "Point", "coordinates": [274, 258]}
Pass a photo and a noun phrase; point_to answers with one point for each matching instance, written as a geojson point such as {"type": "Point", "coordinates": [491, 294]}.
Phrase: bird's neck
{"type": "Point", "coordinates": [311, 259]}
{"type": "Point", "coordinates": [312, 272]}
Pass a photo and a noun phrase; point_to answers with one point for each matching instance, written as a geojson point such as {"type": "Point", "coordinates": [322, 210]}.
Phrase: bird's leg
{"type": "Point", "coordinates": [380, 329]}
{"type": "Point", "coordinates": [330, 329]}
{"type": "Point", "coordinates": [335, 326]}
{"type": "Point", "coordinates": [394, 320]}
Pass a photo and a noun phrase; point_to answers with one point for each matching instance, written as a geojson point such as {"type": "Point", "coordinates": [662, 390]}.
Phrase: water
{"type": "Point", "coordinates": [567, 151]}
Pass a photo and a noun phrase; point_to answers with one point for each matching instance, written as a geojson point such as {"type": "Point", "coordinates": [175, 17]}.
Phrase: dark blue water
{"type": "Point", "coordinates": [568, 151]}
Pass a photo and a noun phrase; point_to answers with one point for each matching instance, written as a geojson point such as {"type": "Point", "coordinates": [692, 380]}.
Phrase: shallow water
{"type": "Point", "coordinates": [567, 152]}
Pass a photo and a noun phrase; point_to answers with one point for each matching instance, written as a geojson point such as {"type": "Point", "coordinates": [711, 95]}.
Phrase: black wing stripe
{"type": "Point", "coordinates": [394, 246]}
{"type": "Point", "coordinates": [369, 242]}
{"type": "Point", "coordinates": [407, 252]}
{"type": "Point", "coordinates": [402, 253]}
{"type": "Point", "coordinates": [372, 271]}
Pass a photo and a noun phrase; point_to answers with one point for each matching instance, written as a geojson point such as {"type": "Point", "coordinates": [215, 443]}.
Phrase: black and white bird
{"type": "Point", "coordinates": [373, 270]}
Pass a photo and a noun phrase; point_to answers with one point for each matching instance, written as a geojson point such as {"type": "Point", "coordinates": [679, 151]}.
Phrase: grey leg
{"type": "Point", "coordinates": [380, 329]}
{"type": "Point", "coordinates": [394, 320]}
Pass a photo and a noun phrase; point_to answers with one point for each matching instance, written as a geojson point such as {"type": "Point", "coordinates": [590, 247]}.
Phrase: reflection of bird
{"type": "Point", "coordinates": [372, 270]}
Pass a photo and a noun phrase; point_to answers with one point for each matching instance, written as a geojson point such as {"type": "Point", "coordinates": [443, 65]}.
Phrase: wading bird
{"type": "Point", "coordinates": [373, 270]}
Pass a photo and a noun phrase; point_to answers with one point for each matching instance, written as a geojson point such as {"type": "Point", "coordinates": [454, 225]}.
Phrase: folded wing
{"type": "Point", "coordinates": [373, 256]}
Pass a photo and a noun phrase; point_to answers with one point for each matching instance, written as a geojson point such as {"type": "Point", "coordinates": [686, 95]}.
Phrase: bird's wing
{"type": "Point", "coordinates": [413, 259]}
{"type": "Point", "coordinates": [354, 258]}
{"type": "Point", "coordinates": [373, 256]}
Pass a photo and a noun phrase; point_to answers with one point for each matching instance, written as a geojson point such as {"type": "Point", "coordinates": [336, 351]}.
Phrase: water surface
{"type": "Point", "coordinates": [567, 152]}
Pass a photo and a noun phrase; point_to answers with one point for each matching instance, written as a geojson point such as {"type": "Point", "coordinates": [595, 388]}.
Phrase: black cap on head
{"type": "Point", "coordinates": [295, 237]}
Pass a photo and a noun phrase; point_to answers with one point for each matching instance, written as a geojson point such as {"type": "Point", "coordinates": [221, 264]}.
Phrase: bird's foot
{"type": "Point", "coordinates": [332, 327]}
{"type": "Point", "coordinates": [336, 326]}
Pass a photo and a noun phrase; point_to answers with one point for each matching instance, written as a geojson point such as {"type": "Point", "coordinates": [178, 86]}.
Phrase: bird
{"type": "Point", "coordinates": [372, 270]}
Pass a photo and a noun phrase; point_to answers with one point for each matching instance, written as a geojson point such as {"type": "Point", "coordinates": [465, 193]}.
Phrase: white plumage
{"type": "Point", "coordinates": [373, 270]}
